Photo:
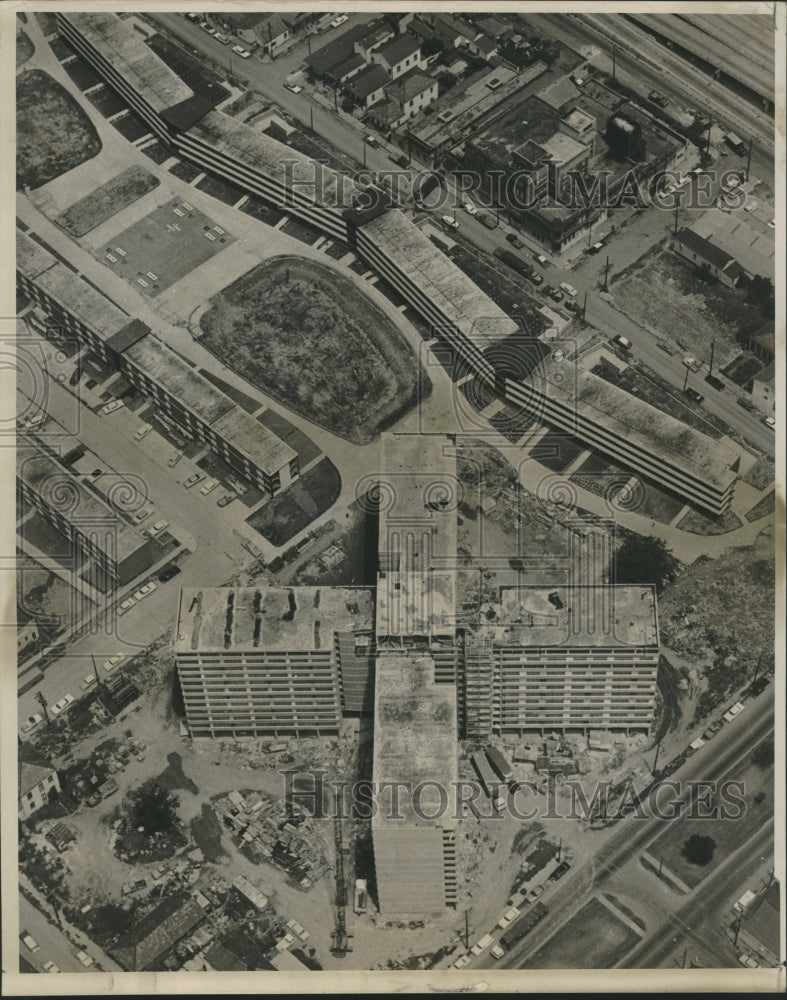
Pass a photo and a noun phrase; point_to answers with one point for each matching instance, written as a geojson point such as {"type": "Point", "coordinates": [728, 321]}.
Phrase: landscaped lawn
{"type": "Point", "coordinates": [107, 200]}
{"type": "Point", "coordinates": [700, 523]}
{"type": "Point", "coordinates": [306, 335]}
{"type": "Point", "coordinates": [53, 134]}
{"type": "Point", "coordinates": [24, 48]}
{"type": "Point", "coordinates": [765, 507]}
{"type": "Point", "coordinates": [294, 509]}
{"type": "Point", "coordinates": [594, 938]}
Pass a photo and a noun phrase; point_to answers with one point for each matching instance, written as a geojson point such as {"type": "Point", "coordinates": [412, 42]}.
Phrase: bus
{"type": "Point", "coordinates": [736, 144]}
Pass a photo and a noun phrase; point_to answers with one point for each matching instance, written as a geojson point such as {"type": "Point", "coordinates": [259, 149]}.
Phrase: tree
{"type": "Point", "coordinates": [153, 808]}
{"type": "Point", "coordinates": [431, 47]}
{"type": "Point", "coordinates": [763, 754]}
{"type": "Point", "coordinates": [699, 850]}
{"type": "Point", "coordinates": [761, 294]}
{"type": "Point", "coordinates": [643, 559]}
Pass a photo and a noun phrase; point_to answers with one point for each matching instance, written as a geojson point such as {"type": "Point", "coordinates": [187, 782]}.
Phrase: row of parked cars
{"type": "Point", "coordinates": [33, 946]}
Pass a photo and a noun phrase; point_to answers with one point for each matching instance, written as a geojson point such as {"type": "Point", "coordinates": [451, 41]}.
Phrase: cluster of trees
{"type": "Point", "coordinates": [641, 559]}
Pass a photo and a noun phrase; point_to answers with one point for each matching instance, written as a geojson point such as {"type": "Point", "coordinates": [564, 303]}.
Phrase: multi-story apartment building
{"type": "Point", "coordinates": [93, 527]}
{"type": "Point", "coordinates": [273, 661]}
{"type": "Point", "coordinates": [688, 463]}
{"type": "Point", "coordinates": [569, 658]}
{"type": "Point", "coordinates": [37, 781]}
{"type": "Point", "coordinates": [186, 400]}
{"type": "Point", "coordinates": [414, 742]}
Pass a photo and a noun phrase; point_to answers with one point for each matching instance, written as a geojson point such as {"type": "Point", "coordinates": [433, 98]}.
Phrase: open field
{"type": "Point", "coordinates": [307, 336]}
{"type": "Point", "coordinates": [163, 247]}
{"type": "Point", "coordinates": [292, 511]}
{"type": "Point", "coordinates": [106, 201]}
{"type": "Point", "coordinates": [53, 134]}
{"type": "Point", "coordinates": [757, 793]}
{"type": "Point", "coordinates": [592, 939]}
{"type": "Point", "coordinates": [669, 296]}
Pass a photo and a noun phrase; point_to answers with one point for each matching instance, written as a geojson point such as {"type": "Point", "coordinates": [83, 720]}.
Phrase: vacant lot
{"type": "Point", "coordinates": [164, 246]}
{"type": "Point", "coordinates": [53, 135]}
{"type": "Point", "coordinates": [292, 511]}
{"type": "Point", "coordinates": [107, 200]}
{"type": "Point", "coordinates": [308, 337]}
{"type": "Point", "coordinates": [728, 834]}
{"type": "Point", "coordinates": [592, 939]}
{"type": "Point", "coordinates": [45, 596]}
{"type": "Point", "coordinates": [668, 295]}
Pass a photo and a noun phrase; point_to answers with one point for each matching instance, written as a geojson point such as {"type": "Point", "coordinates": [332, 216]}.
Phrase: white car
{"type": "Point", "coordinates": [770, 422]}
{"type": "Point", "coordinates": [178, 212]}
{"type": "Point", "coordinates": [210, 485]}
{"type": "Point", "coordinates": [541, 259]}
{"type": "Point", "coordinates": [141, 281]}
{"type": "Point", "coordinates": [470, 208]}
{"type": "Point", "coordinates": [85, 959]}
{"type": "Point", "coordinates": [508, 918]}
{"type": "Point", "coordinates": [749, 962]}
{"type": "Point", "coordinates": [149, 588]}
{"type": "Point", "coordinates": [30, 941]}
{"type": "Point", "coordinates": [568, 289]}
{"type": "Point", "coordinates": [293, 87]}
{"type": "Point", "coordinates": [127, 605]}
{"type": "Point", "coordinates": [113, 661]}
{"type": "Point", "coordinates": [88, 681]}
{"type": "Point", "coordinates": [219, 230]}
{"type": "Point", "coordinates": [143, 515]}
{"type": "Point", "coordinates": [116, 404]}
{"type": "Point", "coordinates": [63, 704]}
{"type": "Point", "coordinates": [498, 951]}
{"type": "Point", "coordinates": [39, 418]}
{"type": "Point", "coordinates": [121, 251]}
{"type": "Point", "coordinates": [296, 928]}
{"type": "Point", "coordinates": [158, 527]}
{"type": "Point", "coordinates": [142, 432]}
{"type": "Point", "coordinates": [189, 208]}
{"type": "Point", "coordinates": [32, 722]}
{"type": "Point", "coordinates": [450, 221]}
{"type": "Point", "coordinates": [209, 236]}
{"type": "Point", "coordinates": [112, 258]}
{"type": "Point", "coordinates": [206, 27]}
{"type": "Point", "coordinates": [337, 22]}
{"type": "Point", "coordinates": [461, 962]}
{"type": "Point", "coordinates": [482, 945]}
{"type": "Point", "coordinates": [50, 967]}
{"type": "Point", "coordinates": [239, 49]}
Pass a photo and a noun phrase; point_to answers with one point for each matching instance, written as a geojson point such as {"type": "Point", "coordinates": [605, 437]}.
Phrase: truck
{"type": "Point", "coordinates": [514, 262]}
{"type": "Point", "coordinates": [740, 905]}
{"type": "Point", "coordinates": [524, 925]}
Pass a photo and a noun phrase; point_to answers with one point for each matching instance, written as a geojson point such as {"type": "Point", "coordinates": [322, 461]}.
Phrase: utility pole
{"type": "Point", "coordinates": [677, 207]}
{"type": "Point", "coordinates": [584, 307]}
{"type": "Point", "coordinates": [658, 745]}
{"type": "Point", "coordinates": [737, 928]}
{"type": "Point", "coordinates": [95, 669]}
{"type": "Point", "coordinates": [748, 161]}
{"type": "Point", "coordinates": [41, 699]}
{"type": "Point", "coordinates": [311, 118]}
{"type": "Point", "coordinates": [757, 669]}
{"type": "Point", "coordinates": [685, 953]}
{"type": "Point", "coordinates": [560, 850]}
{"type": "Point", "coordinates": [606, 276]}
{"type": "Point", "coordinates": [467, 932]}
{"type": "Point", "coordinates": [686, 379]}
{"type": "Point", "coordinates": [712, 349]}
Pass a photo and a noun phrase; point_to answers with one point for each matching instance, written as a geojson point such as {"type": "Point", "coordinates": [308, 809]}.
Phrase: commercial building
{"type": "Point", "coordinates": [93, 526]}
{"type": "Point", "coordinates": [759, 929]}
{"type": "Point", "coordinates": [414, 742]}
{"type": "Point", "coordinates": [565, 658]}
{"type": "Point", "coordinates": [37, 780]}
{"type": "Point", "coordinates": [186, 399]}
{"type": "Point", "coordinates": [273, 661]}
{"type": "Point", "coordinates": [707, 256]}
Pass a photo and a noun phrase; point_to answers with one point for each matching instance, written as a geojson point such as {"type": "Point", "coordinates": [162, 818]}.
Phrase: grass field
{"type": "Point", "coordinates": [307, 336]}
{"type": "Point", "coordinates": [727, 833]}
{"type": "Point", "coordinates": [164, 244]}
{"type": "Point", "coordinates": [53, 134]}
{"type": "Point", "coordinates": [292, 511]}
{"type": "Point", "coordinates": [765, 507]}
{"type": "Point", "coordinates": [699, 523]}
{"type": "Point", "coordinates": [107, 200]}
{"type": "Point", "coordinates": [592, 939]}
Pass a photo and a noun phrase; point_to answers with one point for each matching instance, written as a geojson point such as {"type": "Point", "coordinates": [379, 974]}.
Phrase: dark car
{"type": "Point", "coordinates": [572, 307]}
{"type": "Point", "coordinates": [559, 872]}
{"type": "Point", "coordinates": [695, 396]}
{"type": "Point", "coordinates": [715, 382]}
{"type": "Point", "coordinates": [555, 294]}
{"type": "Point", "coordinates": [514, 240]}
{"type": "Point", "coordinates": [536, 278]}
{"type": "Point", "coordinates": [168, 572]}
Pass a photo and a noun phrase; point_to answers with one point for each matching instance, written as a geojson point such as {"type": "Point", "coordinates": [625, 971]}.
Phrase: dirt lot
{"type": "Point", "coordinates": [53, 134]}
{"type": "Point", "coordinates": [292, 511]}
{"type": "Point", "coordinates": [107, 200]}
{"type": "Point", "coordinates": [669, 296]}
{"type": "Point", "coordinates": [311, 339]}
{"type": "Point", "coordinates": [594, 938]}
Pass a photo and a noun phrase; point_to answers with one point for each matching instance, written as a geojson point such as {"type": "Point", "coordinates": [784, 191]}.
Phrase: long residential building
{"type": "Point", "coordinates": [273, 661]}
{"type": "Point", "coordinates": [414, 743]}
{"type": "Point", "coordinates": [640, 436]}
{"type": "Point", "coordinates": [187, 400]}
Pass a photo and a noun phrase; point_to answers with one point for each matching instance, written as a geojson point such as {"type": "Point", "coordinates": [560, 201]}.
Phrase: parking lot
{"type": "Point", "coordinates": [164, 246]}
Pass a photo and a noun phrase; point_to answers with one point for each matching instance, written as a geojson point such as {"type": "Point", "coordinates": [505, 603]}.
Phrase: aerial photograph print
{"type": "Point", "coordinates": [394, 498]}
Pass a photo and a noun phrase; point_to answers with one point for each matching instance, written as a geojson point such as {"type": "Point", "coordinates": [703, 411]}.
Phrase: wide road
{"type": "Point", "coordinates": [689, 923]}
{"type": "Point", "coordinates": [633, 835]}
{"type": "Point", "coordinates": [53, 945]}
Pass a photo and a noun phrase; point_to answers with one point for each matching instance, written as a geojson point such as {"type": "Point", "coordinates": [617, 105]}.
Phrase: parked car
{"type": "Point", "coordinates": [337, 22]}
{"type": "Point", "coordinates": [691, 362]}
{"type": "Point", "coordinates": [113, 661]}
{"type": "Point", "coordinates": [293, 87]}
{"type": "Point", "coordinates": [84, 958]}
{"type": "Point", "coordinates": [241, 51]}
{"type": "Point", "coordinates": [142, 432]}
{"type": "Point", "coordinates": [497, 951]}
{"type": "Point", "coordinates": [554, 293]}
{"type": "Point", "coordinates": [482, 945]}
{"type": "Point", "coordinates": [749, 962]}
{"type": "Point", "coordinates": [535, 278]}
{"type": "Point", "coordinates": [173, 461]}
{"type": "Point", "coordinates": [508, 918]}
{"type": "Point", "coordinates": [715, 382]}
{"type": "Point", "coordinates": [461, 962]}
{"type": "Point", "coordinates": [60, 706]}
{"type": "Point", "coordinates": [770, 422]}
{"type": "Point", "coordinates": [29, 941]}
{"type": "Point", "coordinates": [695, 396]}
{"type": "Point", "coordinates": [32, 722]}
{"type": "Point", "coordinates": [296, 928]}
{"type": "Point", "coordinates": [572, 307]}
{"type": "Point", "coordinates": [158, 527]}
{"type": "Point", "coordinates": [148, 589]}
{"type": "Point", "coordinates": [658, 98]}
{"type": "Point", "coordinates": [193, 480]}
{"type": "Point", "coordinates": [597, 247]}
{"type": "Point", "coordinates": [224, 39]}
{"type": "Point", "coordinates": [126, 605]}
{"type": "Point", "coordinates": [568, 289]}
{"type": "Point", "coordinates": [143, 515]}
{"type": "Point", "coordinates": [39, 418]}
{"type": "Point", "coordinates": [622, 342]}
{"type": "Point", "coordinates": [371, 140]}
{"type": "Point", "coordinates": [116, 404]}
{"type": "Point", "coordinates": [226, 499]}
{"type": "Point", "coordinates": [450, 221]}
{"type": "Point", "coordinates": [515, 241]}
{"type": "Point", "coordinates": [541, 259]}
{"type": "Point", "coordinates": [490, 221]}
{"type": "Point", "coordinates": [402, 160]}
{"type": "Point", "coordinates": [210, 485]}
{"type": "Point", "coordinates": [50, 966]}
{"type": "Point", "coordinates": [206, 27]}
{"type": "Point", "coordinates": [470, 208]}
{"type": "Point", "coordinates": [168, 572]}
{"type": "Point", "coordinates": [87, 681]}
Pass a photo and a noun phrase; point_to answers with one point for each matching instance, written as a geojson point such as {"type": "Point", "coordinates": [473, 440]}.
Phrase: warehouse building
{"type": "Point", "coordinates": [271, 661]}
{"type": "Point", "coordinates": [414, 742]}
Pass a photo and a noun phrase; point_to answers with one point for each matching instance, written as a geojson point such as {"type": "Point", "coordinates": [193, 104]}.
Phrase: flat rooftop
{"type": "Point", "coordinates": [31, 258]}
{"type": "Point", "coordinates": [563, 149]}
{"type": "Point", "coordinates": [300, 619]}
{"type": "Point", "coordinates": [746, 239]}
{"type": "Point", "coordinates": [255, 440]}
{"type": "Point", "coordinates": [607, 615]}
{"type": "Point", "coordinates": [281, 163]}
{"type": "Point", "coordinates": [64, 491]}
{"type": "Point", "coordinates": [125, 49]}
{"type": "Point", "coordinates": [459, 299]}
{"type": "Point", "coordinates": [415, 736]}
{"type": "Point", "coordinates": [416, 602]}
